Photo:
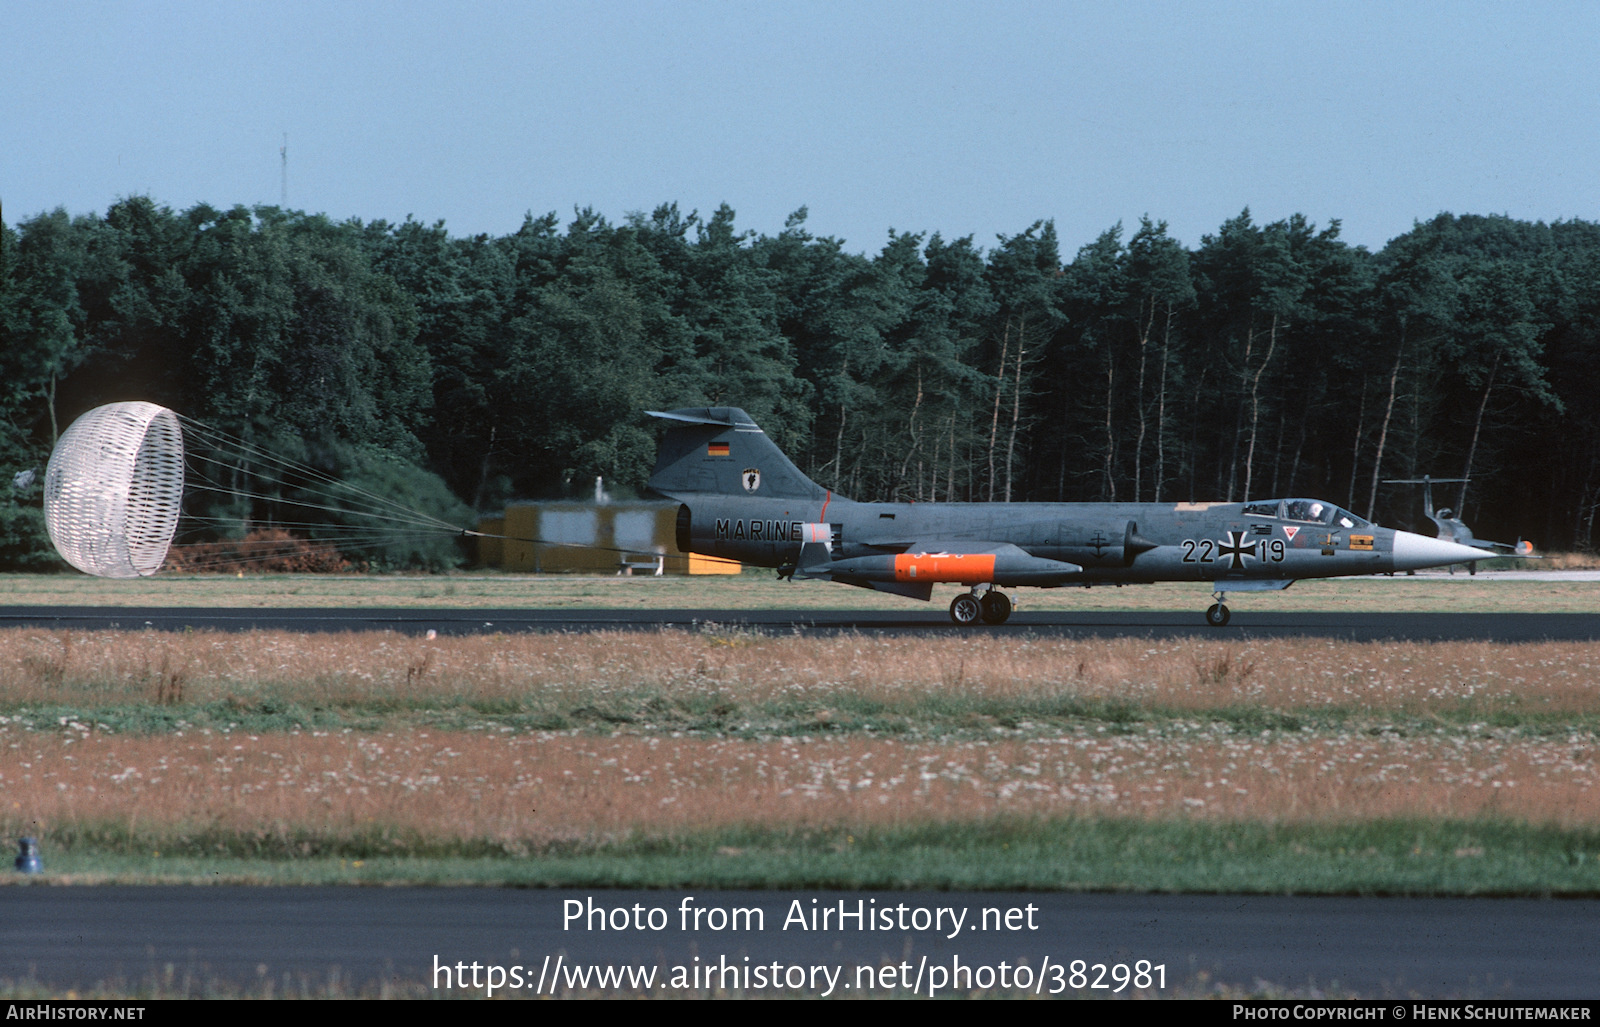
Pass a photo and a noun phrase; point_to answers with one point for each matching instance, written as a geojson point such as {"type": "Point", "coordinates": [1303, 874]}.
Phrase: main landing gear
{"type": "Point", "coordinates": [982, 603]}
{"type": "Point", "coordinates": [1218, 615]}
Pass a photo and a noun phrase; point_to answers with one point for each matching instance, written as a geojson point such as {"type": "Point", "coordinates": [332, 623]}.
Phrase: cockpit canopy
{"type": "Point", "coordinates": [1309, 511]}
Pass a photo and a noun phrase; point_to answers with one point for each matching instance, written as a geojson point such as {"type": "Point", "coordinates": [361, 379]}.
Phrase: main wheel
{"type": "Point", "coordinates": [996, 607]}
{"type": "Point", "coordinates": [1217, 616]}
{"type": "Point", "coordinates": [964, 609]}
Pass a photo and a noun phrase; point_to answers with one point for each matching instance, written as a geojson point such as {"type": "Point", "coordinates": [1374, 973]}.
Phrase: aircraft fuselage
{"type": "Point", "coordinates": [1112, 543]}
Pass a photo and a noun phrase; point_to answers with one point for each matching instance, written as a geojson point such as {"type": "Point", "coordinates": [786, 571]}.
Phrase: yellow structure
{"type": "Point", "coordinates": [589, 538]}
{"type": "Point", "coordinates": [713, 565]}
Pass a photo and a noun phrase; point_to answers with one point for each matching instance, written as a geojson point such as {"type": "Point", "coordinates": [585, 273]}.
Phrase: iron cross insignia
{"type": "Point", "coordinates": [1236, 548]}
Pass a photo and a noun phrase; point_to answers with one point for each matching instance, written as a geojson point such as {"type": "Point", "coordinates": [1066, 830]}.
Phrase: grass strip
{"type": "Point", "coordinates": [1386, 857]}
{"type": "Point", "coordinates": [920, 717]}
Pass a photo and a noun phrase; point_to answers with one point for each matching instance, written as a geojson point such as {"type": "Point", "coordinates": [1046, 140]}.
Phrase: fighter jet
{"type": "Point", "coordinates": [1453, 528]}
{"type": "Point", "coordinates": [742, 499]}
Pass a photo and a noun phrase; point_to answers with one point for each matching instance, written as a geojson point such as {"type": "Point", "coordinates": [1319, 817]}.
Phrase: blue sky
{"type": "Point", "coordinates": [964, 118]}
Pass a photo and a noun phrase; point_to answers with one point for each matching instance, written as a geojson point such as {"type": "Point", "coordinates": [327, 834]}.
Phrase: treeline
{"type": "Point", "coordinates": [1272, 359]}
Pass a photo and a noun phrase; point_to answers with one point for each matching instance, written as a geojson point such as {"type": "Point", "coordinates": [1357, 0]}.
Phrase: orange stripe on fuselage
{"type": "Point", "coordinates": [968, 570]}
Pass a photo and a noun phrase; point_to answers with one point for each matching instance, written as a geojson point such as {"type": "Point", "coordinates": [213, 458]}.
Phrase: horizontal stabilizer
{"type": "Point", "coordinates": [727, 417]}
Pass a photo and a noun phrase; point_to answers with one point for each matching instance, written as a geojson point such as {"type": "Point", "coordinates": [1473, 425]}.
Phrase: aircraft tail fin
{"type": "Point", "coordinates": [720, 450]}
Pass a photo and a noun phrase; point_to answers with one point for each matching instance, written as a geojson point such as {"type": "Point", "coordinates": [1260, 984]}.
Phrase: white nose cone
{"type": "Point", "coordinates": [1413, 552]}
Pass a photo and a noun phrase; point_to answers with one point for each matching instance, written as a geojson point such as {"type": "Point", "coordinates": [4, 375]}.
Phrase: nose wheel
{"type": "Point", "coordinates": [1218, 615]}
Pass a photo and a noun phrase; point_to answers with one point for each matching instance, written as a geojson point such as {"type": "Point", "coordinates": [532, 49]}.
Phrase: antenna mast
{"type": "Point", "coordinates": [283, 154]}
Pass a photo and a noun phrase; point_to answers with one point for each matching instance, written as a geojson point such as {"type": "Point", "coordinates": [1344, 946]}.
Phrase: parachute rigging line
{"type": "Point", "coordinates": [116, 481]}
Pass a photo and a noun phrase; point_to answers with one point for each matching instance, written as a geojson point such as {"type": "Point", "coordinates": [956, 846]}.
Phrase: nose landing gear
{"type": "Point", "coordinates": [1217, 616]}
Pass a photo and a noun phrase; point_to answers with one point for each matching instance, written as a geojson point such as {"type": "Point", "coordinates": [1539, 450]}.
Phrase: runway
{"type": "Point", "coordinates": [360, 938]}
{"type": "Point", "coordinates": [1246, 624]}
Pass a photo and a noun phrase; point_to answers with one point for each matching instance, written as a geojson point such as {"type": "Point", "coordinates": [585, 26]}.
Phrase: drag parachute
{"type": "Point", "coordinates": [113, 489]}
{"type": "Point", "coordinates": [130, 487]}
{"type": "Point", "coordinates": [131, 484]}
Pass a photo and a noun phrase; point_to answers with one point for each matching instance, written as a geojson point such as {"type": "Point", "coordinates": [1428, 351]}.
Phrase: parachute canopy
{"type": "Point", "coordinates": [113, 489]}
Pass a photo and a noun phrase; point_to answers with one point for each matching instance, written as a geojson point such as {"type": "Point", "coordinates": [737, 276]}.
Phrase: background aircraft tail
{"type": "Point", "coordinates": [721, 451]}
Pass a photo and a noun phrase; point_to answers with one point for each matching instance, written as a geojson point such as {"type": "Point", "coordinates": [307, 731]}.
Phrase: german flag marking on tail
{"type": "Point", "coordinates": [717, 449]}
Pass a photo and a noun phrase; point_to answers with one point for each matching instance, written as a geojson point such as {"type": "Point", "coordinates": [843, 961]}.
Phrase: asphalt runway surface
{"type": "Point", "coordinates": [296, 937]}
{"type": "Point", "coordinates": [1246, 623]}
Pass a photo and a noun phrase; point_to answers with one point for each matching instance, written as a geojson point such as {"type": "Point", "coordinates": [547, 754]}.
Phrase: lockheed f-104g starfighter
{"type": "Point", "coordinates": [742, 499]}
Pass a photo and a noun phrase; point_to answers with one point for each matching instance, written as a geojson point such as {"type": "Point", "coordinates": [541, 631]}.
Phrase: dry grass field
{"type": "Point", "coordinates": [518, 794]}
{"type": "Point", "coordinates": [384, 743]}
{"type": "Point", "coordinates": [686, 669]}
